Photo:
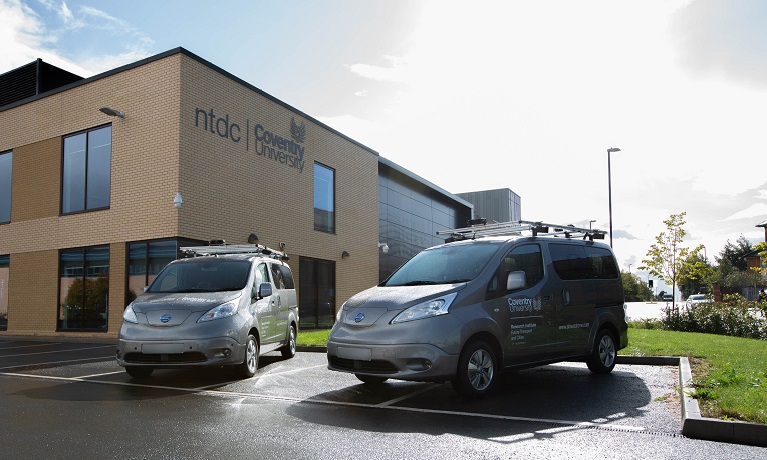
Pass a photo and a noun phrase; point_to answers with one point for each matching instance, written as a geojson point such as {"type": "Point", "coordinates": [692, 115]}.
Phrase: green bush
{"type": "Point", "coordinates": [734, 316]}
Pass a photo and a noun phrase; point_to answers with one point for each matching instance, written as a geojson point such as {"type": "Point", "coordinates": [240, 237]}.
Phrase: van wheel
{"type": "Point", "coordinates": [476, 370]}
{"type": "Point", "coordinates": [139, 372]}
{"type": "Point", "coordinates": [371, 379]}
{"type": "Point", "coordinates": [247, 368]}
{"type": "Point", "coordinates": [289, 350]}
{"type": "Point", "coordinates": [602, 359]}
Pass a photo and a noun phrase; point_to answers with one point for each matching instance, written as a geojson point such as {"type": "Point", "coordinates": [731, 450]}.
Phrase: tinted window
{"type": "Point", "coordinates": [453, 263]}
{"type": "Point", "coordinates": [6, 166]}
{"type": "Point", "coordinates": [324, 198]}
{"type": "Point", "coordinates": [527, 259]}
{"type": "Point", "coordinates": [575, 262]}
{"type": "Point", "coordinates": [282, 277]}
{"type": "Point", "coordinates": [603, 263]}
{"type": "Point", "coordinates": [202, 275]}
{"type": "Point", "coordinates": [86, 171]}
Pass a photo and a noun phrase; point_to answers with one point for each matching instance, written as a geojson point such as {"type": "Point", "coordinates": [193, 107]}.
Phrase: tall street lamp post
{"type": "Point", "coordinates": [610, 190]}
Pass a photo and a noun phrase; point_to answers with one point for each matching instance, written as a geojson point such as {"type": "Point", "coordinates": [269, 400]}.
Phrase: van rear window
{"type": "Point", "coordinates": [575, 262]}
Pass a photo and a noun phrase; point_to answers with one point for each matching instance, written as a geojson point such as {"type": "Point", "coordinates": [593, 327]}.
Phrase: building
{"type": "Point", "coordinates": [499, 205]}
{"type": "Point", "coordinates": [103, 179]}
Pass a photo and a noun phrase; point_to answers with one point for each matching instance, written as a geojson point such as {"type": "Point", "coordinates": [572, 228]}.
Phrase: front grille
{"type": "Point", "coordinates": [156, 358]}
{"type": "Point", "coordinates": [374, 367]}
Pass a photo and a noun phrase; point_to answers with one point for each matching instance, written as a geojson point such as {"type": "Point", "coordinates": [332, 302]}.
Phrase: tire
{"type": "Point", "coordinates": [476, 374]}
{"type": "Point", "coordinates": [602, 359]}
{"type": "Point", "coordinates": [289, 350]}
{"type": "Point", "coordinates": [139, 372]}
{"type": "Point", "coordinates": [371, 379]}
{"type": "Point", "coordinates": [249, 365]}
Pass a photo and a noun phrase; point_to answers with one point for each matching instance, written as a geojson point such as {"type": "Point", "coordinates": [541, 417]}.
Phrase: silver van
{"type": "Point", "coordinates": [466, 310]}
{"type": "Point", "coordinates": [224, 308]}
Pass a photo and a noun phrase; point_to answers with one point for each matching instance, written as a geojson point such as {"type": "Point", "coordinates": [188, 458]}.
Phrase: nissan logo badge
{"type": "Point", "coordinates": [165, 318]}
{"type": "Point", "coordinates": [360, 316]}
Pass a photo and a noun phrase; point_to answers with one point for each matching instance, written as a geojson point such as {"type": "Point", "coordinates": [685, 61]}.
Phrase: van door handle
{"type": "Point", "coordinates": [547, 297]}
{"type": "Point", "coordinates": [565, 296]}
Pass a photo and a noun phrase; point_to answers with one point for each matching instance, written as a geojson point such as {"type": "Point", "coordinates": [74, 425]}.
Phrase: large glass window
{"type": "Point", "coordinates": [324, 198]}
{"type": "Point", "coordinates": [146, 259]}
{"type": "Point", "coordinates": [6, 166]}
{"type": "Point", "coordinates": [87, 171]}
{"type": "Point", "coordinates": [83, 288]}
{"type": "Point", "coordinates": [5, 271]}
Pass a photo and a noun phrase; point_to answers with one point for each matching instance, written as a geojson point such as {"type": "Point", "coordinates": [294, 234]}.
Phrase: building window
{"type": "Point", "coordinates": [317, 291]}
{"type": "Point", "coordinates": [5, 271]}
{"type": "Point", "coordinates": [146, 259]}
{"type": "Point", "coordinates": [85, 183]}
{"type": "Point", "coordinates": [83, 288]}
{"type": "Point", "coordinates": [6, 166]}
{"type": "Point", "coordinates": [324, 198]}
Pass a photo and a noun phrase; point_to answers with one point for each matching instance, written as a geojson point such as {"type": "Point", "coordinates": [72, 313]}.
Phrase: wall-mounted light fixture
{"type": "Point", "coordinates": [383, 247]}
{"type": "Point", "coordinates": [252, 238]}
{"type": "Point", "coordinates": [345, 255]}
{"type": "Point", "coordinates": [282, 246]}
{"type": "Point", "coordinates": [177, 201]}
{"type": "Point", "coordinates": [112, 112]}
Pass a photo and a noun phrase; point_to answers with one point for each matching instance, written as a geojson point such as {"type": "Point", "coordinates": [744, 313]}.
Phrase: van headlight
{"type": "Point", "coordinates": [222, 311]}
{"type": "Point", "coordinates": [129, 315]}
{"type": "Point", "coordinates": [433, 307]}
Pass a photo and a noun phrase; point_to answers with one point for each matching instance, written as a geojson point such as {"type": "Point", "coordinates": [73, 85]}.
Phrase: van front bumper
{"type": "Point", "coordinates": [180, 353]}
{"type": "Point", "coordinates": [416, 362]}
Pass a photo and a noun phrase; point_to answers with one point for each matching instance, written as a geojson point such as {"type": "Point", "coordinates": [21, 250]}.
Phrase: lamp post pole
{"type": "Point", "coordinates": [610, 190]}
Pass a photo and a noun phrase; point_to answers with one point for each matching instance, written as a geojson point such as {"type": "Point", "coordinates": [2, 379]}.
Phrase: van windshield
{"type": "Point", "coordinates": [447, 264]}
{"type": "Point", "coordinates": [202, 275]}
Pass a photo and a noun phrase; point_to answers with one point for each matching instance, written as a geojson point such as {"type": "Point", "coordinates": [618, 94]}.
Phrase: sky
{"type": "Point", "coordinates": [489, 94]}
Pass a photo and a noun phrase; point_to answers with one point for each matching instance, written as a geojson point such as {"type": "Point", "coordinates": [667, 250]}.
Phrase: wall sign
{"type": "Point", "coordinates": [268, 144]}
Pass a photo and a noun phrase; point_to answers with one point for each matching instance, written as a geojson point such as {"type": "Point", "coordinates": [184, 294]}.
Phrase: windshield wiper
{"type": "Point", "coordinates": [466, 280]}
{"type": "Point", "coordinates": [419, 283]}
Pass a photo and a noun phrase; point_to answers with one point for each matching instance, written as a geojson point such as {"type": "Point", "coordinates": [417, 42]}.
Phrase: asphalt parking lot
{"type": "Point", "coordinates": [634, 403]}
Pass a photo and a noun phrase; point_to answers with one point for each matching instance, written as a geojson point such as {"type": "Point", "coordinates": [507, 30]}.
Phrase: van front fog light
{"type": "Point", "coordinates": [419, 364]}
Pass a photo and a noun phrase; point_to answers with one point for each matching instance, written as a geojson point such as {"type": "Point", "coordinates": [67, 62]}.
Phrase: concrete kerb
{"type": "Point", "coordinates": [693, 424]}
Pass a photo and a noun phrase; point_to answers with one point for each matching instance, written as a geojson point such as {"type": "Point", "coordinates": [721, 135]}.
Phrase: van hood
{"type": "Point", "coordinates": [398, 297]}
{"type": "Point", "coordinates": [191, 301]}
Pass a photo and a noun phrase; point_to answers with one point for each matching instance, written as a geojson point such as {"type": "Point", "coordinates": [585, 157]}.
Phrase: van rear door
{"type": "Point", "coordinates": [575, 298]}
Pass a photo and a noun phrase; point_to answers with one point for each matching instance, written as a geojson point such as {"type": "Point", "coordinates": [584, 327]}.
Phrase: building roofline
{"type": "Point", "coordinates": [202, 61]}
{"type": "Point", "coordinates": [416, 177]}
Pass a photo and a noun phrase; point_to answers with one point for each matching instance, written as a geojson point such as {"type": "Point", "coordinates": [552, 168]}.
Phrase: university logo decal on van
{"type": "Point", "coordinates": [525, 304]}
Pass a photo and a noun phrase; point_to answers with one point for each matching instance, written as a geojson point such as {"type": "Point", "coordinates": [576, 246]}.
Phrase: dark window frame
{"type": "Point", "coordinates": [85, 173]}
{"type": "Point", "coordinates": [332, 224]}
{"type": "Point", "coordinates": [8, 196]}
{"type": "Point", "coordinates": [5, 261]}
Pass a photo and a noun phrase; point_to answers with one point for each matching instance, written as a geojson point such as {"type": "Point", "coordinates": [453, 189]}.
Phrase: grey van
{"type": "Point", "coordinates": [466, 310]}
{"type": "Point", "coordinates": [217, 310]}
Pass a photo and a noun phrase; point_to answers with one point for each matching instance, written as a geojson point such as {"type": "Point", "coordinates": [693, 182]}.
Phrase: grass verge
{"type": "Point", "coordinates": [729, 373]}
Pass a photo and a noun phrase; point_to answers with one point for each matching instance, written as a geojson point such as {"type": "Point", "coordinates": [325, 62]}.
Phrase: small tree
{"type": "Point", "coordinates": [666, 258]}
{"type": "Point", "coordinates": [695, 275]}
{"type": "Point", "coordinates": [634, 289]}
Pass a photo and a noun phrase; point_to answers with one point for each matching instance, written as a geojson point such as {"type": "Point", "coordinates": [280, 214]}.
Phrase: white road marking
{"type": "Point", "coordinates": [289, 399]}
{"type": "Point", "coordinates": [58, 351]}
{"type": "Point", "coordinates": [103, 358]}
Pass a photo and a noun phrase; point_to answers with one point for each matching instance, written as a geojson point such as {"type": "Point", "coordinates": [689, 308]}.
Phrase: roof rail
{"type": "Point", "coordinates": [219, 247]}
{"type": "Point", "coordinates": [477, 228]}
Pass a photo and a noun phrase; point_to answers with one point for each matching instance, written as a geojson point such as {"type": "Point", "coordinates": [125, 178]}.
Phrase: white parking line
{"type": "Point", "coordinates": [260, 377]}
{"type": "Point", "coordinates": [58, 351]}
{"type": "Point", "coordinates": [289, 399]}
{"type": "Point", "coordinates": [28, 346]}
{"type": "Point", "coordinates": [103, 358]}
{"type": "Point", "coordinates": [408, 396]}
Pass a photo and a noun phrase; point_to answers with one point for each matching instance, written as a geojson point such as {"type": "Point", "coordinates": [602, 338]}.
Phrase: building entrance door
{"type": "Point", "coordinates": [316, 293]}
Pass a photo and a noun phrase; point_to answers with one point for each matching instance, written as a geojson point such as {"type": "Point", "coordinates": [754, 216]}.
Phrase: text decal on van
{"type": "Point", "coordinates": [524, 304]}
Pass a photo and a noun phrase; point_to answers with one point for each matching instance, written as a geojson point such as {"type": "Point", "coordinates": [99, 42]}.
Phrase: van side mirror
{"type": "Point", "coordinates": [146, 288]}
{"type": "Point", "coordinates": [264, 290]}
{"type": "Point", "coordinates": [516, 280]}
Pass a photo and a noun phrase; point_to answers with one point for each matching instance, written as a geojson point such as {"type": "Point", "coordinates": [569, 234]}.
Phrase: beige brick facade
{"type": "Point", "coordinates": [160, 148]}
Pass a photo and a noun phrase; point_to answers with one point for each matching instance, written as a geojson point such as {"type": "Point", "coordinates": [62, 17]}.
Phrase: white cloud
{"type": "Point", "coordinates": [755, 210]}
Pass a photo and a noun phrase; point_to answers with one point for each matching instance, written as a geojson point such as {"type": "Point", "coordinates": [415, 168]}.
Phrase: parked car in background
{"type": "Point", "coordinates": [695, 299]}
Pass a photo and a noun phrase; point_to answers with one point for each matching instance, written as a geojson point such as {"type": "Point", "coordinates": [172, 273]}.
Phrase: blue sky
{"type": "Point", "coordinates": [518, 94]}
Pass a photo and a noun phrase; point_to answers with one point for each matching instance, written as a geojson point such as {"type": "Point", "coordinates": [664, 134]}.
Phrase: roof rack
{"type": "Point", "coordinates": [479, 228]}
{"type": "Point", "coordinates": [219, 247]}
